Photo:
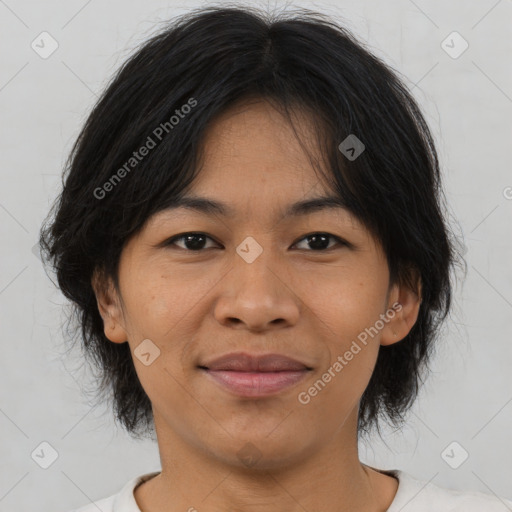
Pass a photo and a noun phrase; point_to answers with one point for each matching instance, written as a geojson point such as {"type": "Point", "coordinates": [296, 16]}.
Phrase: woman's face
{"type": "Point", "coordinates": [256, 283]}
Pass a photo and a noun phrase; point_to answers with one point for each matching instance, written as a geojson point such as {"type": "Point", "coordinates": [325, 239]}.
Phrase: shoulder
{"type": "Point", "coordinates": [123, 501]}
{"type": "Point", "coordinates": [416, 495]}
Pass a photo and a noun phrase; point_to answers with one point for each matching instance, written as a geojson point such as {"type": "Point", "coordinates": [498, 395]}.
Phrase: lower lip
{"type": "Point", "coordinates": [256, 384]}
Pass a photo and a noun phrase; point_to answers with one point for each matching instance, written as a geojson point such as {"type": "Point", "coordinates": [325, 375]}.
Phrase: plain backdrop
{"type": "Point", "coordinates": [467, 100]}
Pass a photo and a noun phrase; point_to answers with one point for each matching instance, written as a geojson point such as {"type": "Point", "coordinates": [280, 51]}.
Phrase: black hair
{"type": "Point", "coordinates": [164, 98]}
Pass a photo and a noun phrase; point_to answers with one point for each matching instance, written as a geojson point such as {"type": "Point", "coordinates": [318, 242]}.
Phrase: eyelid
{"type": "Point", "coordinates": [171, 241]}
{"type": "Point", "coordinates": [341, 241]}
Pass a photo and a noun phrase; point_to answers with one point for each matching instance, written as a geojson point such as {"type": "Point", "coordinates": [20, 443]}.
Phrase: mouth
{"type": "Point", "coordinates": [254, 376]}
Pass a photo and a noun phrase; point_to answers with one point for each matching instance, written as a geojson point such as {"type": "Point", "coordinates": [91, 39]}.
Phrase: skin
{"type": "Point", "coordinates": [305, 303]}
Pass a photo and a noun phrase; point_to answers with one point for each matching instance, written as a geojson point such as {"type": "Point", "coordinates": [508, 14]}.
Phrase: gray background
{"type": "Point", "coordinates": [43, 102]}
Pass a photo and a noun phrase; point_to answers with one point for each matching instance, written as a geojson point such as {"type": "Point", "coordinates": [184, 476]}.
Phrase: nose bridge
{"type": "Point", "coordinates": [256, 264]}
{"type": "Point", "coordinates": [256, 292]}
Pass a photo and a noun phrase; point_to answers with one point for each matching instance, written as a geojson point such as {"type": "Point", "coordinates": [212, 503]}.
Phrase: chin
{"type": "Point", "coordinates": [262, 453]}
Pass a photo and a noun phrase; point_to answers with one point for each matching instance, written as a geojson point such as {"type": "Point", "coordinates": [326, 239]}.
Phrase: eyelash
{"type": "Point", "coordinates": [171, 241]}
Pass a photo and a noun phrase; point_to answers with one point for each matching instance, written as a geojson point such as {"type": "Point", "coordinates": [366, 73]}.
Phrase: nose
{"type": "Point", "coordinates": [257, 296]}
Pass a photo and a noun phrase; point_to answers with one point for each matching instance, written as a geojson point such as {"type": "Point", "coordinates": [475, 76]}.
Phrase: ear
{"type": "Point", "coordinates": [109, 307]}
{"type": "Point", "coordinates": [405, 300]}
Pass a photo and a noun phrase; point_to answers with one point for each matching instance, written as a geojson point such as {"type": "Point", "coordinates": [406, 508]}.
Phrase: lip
{"type": "Point", "coordinates": [249, 375]}
{"type": "Point", "coordinates": [244, 362]}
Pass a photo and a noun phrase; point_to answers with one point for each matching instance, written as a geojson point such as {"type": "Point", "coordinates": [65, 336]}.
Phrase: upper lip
{"type": "Point", "coordinates": [244, 362]}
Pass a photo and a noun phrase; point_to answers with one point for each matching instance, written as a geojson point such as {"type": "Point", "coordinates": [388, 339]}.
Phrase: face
{"type": "Point", "coordinates": [257, 281]}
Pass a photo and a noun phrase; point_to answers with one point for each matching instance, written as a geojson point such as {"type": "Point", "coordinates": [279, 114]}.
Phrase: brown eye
{"type": "Point", "coordinates": [320, 241]}
{"type": "Point", "coordinates": [191, 241]}
{"type": "Point", "coordinates": [196, 242]}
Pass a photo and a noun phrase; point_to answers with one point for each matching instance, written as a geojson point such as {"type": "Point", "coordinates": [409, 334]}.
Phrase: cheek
{"type": "Point", "coordinates": [350, 309]}
{"type": "Point", "coordinates": [155, 305]}
{"type": "Point", "coordinates": [349, 304]}
{"type": "Point", "coordinates": [167, 296]}
{"type": "Point", "coordinates": [167, 315]}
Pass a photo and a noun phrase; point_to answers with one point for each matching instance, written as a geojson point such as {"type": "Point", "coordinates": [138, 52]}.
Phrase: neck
{"type": "Point", "coordinates": [329, 477]}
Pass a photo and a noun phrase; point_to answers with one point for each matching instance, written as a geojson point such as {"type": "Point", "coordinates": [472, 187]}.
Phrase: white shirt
{"type": "Point", "coordinates": [412, 496]}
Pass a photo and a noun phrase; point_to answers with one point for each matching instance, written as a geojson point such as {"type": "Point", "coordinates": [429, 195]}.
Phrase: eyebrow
{"type": "Point", "coordinates": [211, 207]}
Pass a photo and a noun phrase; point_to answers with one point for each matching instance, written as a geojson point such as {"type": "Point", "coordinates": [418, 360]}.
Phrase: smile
{"type": "Point", "coordinates": [255, 375]}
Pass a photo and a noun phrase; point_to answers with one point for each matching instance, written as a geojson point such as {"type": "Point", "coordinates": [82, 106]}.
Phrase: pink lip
{"type": "Point", "coordinates": [243, 362]}
{"type": "Point", "coordinates": [256, 384]}
{"type": "Point", "coordinates": [255, 375]}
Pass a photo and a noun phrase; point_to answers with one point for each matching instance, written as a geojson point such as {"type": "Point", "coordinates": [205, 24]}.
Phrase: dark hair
{"type": "Point", "coordinates": [166, 95]}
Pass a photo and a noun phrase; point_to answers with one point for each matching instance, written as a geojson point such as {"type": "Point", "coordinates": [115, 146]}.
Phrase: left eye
{"type": "Point", "coordinates": [196, 241]}
{"type": "Point", "coordinates": [320, 241]}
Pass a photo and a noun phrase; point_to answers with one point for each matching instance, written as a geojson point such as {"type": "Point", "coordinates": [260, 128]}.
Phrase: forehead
{"type": "Point", "coordinates": [254, 168]}
{"type": "Point", "coordinates": [253, 148]}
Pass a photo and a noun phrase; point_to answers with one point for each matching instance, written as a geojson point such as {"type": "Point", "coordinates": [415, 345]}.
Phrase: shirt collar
{"type": "Point", "coordinates": [125, 499]}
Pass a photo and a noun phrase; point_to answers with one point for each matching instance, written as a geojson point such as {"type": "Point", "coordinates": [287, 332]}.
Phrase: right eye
{"type": "Point", "coordinates": [194, 242]}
